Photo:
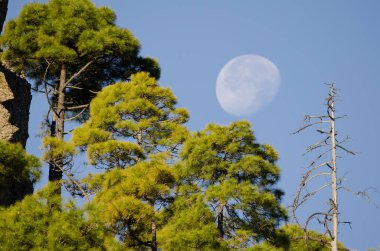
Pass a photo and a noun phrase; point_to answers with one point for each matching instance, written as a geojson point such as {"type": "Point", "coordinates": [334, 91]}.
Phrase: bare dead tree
{"type": "Point", "coordinates": [324, 165]}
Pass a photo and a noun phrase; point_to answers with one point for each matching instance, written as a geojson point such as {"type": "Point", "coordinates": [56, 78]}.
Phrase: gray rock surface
{"type": "Point", "coordinates": [15, 98]}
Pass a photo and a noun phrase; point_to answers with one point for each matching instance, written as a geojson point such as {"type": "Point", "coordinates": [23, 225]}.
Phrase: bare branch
{"type": "Point", "coordinates": [46, 90]}
{"type": "Point", "coordinates": [36, 90]}
{"type": "Point", "coordinates": [365, 194]}
{"type": "Point", "coordinates": [77, 107]}
{"type": "Point", "coordinates": [317, 145]}
{"type": "Point", "coordinates": [78, 73]}
{"type": "Point", "coordinates": [305, 179]}
{"type": "Point", "coordinates": [80, 88]}
{"type": "Point", "coordinates": [309, 125]}
{"type": "Point", "coordinates": [345, 149]}
{"type": "Point", "coordinates": [311, 194]}
{"type": "Point", "coordinates": [340, 117]}
{"type": "Point", "coordinates": [318, 158]}
{"type": "Point", "coordinates": [346, 222]}
{"type": "Point", "coordinates": [312, 216]}
{"type": "Point", "coordinates": [317, 175]}
{"type": "Point", "coordinates": [309, 117]}
{"type": "Point", "coordinates": [72, 180]}
{"type": "Point", "coordinates": [323, 132]}
{"type": "Point", "coordinates": [77, 115]}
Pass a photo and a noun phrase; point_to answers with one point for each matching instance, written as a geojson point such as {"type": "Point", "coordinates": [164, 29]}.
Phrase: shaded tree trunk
{"type": "Point", "coordinates": [58, 125]}
{"type": "Point", "coordinates": [61, 103]}
{"type": "Point", "coordinates": [3, 13]}
{"type": "Point", "coordinates": [154, 236]}
{"type": "Point", "coordinates": [220, 221]}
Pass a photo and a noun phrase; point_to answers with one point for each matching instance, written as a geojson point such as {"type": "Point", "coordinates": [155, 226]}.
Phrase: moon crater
{"type": "Point", "coordinates": [247, 83]}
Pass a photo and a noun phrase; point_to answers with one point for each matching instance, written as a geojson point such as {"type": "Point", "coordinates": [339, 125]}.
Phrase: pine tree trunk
{"type": "Point", "coordinates": [334, 242]}
{"type": "Point", "coordinates": [154, 236]}
{"type": "Point", "coordinates": [53, 129]}
{"type": "Point", "coordinates": [61, 103]}
{"type": "Point", "coordinates": [58, 123]}
{"type": "Point", "coordinates": [3, 13]}
{"type": "Point", "coordinates": [220, 221]}
{"type": "Point", "coordinates": [139, 138]}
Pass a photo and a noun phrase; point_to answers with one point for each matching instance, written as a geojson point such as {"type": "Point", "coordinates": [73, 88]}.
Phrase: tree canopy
{"type": "Point", "coordinates": [71, 49]}
{"type": "Point", "coordinates": [294, 238]}
{"type": "Point", "coordinates": [234, 177]}
{"type": "Point", "coordinates": [141, 113]}
{"type": "Point", "coordinates": [33, 224]}
{"type": "Point", "coordinates": [133, 126]}
{"type": "Point", "coordinates": [19, 171]}
{"type": "Point", "coordinates": [74, 33]}
{"type": "Point", "coordinates": [132, 201]}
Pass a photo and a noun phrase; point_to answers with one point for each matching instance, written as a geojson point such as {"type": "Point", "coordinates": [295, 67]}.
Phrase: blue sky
{"type": "Point", "coordinates": [311, 42]}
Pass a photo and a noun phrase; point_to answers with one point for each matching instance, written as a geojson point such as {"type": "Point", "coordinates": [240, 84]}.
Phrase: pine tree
{"type": "Point", "coordinates": [191, 225]}
{"type": "Point", "coordinates": [71, 49]}
{"type": "Point", "coordinates": [133, 129]}
{"type": "Point", "coordinates": [139, 112]}
{"type": "Point", "coordinates": [132, 202]}
{"type": "Point", "coordinates": [235, 177]}
{"type": "Point", "coordinates": [19, 171]}
{"type": "Point", "coordinates": [32, 224]}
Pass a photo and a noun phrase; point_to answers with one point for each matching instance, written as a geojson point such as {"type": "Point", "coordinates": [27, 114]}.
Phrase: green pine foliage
{"type": "Point", "coordinates": [235, 177]}
{"type": "Point", "coordinates": [133, 124]}
{"type": "Point", "coordinates": [73, 33]}
{"type": "Point", "coordinates": [294, 238]}
{"type": "Point", "coordinates": [129, 201]}
{"type": "Point", "coordinates": [71, 49]}
{"type": "Point", "coordinates": [191, 227]}
{"type": "Point", "coordinates": [33, 224]}
{"type": "Point", "coordinates": [67, 31]}
{"type": "Point", "coordinates": [58, 150]}
{"type": "Point", "coordinates": [130, 120]}
{"type": "Point", "coordinates": [18, 172]}
{"type": "Point", "coordinates": [373, 249]}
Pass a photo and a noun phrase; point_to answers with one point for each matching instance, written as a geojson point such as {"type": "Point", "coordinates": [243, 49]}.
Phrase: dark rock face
{"type": "Point", "coordinates": [15, 98]}
{"type": "Point", "coordinates": [3, 12]}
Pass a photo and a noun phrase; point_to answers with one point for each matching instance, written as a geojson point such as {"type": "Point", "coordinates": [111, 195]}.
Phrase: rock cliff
{"type": "Point", "coordinates": [15, 98]}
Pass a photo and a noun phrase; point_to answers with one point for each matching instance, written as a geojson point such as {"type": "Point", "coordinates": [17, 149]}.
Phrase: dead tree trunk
{"type": "Point", "coordinates": [320, 167]}
{"type": "Point", "coordinates": [334, 188]}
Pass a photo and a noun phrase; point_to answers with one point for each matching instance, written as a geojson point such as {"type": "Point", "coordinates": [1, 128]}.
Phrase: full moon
{"type": "Point", "coordinates": [247, 83]}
